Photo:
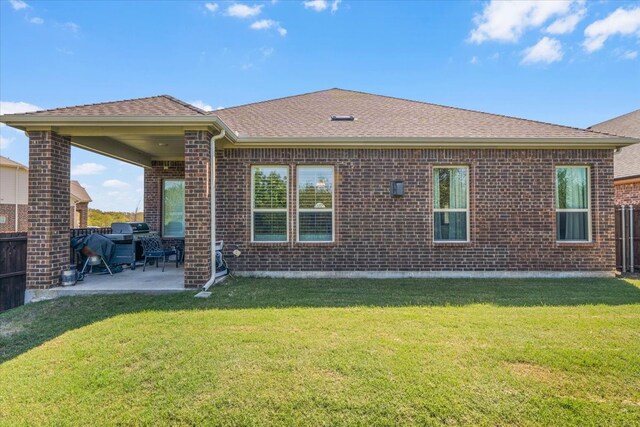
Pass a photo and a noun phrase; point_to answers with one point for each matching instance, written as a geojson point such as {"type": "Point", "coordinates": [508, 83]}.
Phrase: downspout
{"type": "Point", "coordinates": [15, 184]}
{"type": "Point", "coordinates": [212, 193]}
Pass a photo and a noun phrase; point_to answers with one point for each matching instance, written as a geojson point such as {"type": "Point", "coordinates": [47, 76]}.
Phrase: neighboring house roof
{"type": "Point", "coordinates": [627, 160]}
{"type": "Point", "coordinates": [160, 106]}
{"type": "Point", "coordinates": [5, 161]}
{"type": "Point", "coordinates": [79, 192]}
{"type": "Point", "coordinates": [308, 116]}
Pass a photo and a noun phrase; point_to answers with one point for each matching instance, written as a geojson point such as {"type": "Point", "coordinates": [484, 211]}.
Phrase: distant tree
{"type": "Point", "coordinates": [98, 218]}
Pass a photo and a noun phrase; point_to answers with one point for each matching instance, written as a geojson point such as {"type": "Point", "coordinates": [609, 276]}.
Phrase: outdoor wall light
{"type": "Point", "coordinates": [397, 188]}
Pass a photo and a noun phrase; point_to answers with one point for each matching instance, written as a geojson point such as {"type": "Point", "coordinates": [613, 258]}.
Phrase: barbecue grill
{"type": "Point", "coordinates": [126, 236]}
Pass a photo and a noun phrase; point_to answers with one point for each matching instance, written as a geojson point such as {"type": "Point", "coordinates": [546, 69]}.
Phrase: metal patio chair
{"type": "Point", "coordinates": [152, 249]}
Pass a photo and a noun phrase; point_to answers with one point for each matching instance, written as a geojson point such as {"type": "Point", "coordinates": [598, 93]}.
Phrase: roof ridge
{"type": "Point", "coordinates": [185, 104]}
{"type": "Point", "coordinates": [100, 103]}
{"type": "Point", "coordinates": [212, 113]}
{"type": "Point", "coordinates": [473, 111]}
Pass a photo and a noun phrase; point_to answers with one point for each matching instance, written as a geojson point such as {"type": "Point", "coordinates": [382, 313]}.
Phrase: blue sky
{"type": "Point", "coordinates": [568, 62]}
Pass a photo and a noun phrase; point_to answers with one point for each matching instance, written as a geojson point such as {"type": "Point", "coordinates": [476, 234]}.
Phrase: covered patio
{"type": "Point", "coordinates": [151, 281]}
{"type": "Point", "coordinates": [170, 139]}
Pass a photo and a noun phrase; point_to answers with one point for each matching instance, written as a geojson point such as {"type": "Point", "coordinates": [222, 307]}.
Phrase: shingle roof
{"type": "Point", "coordinates": [308, 115]}
{"type": "Point", "coordinates": [161, 106]}
{"type": "Point", "coordinates": [79, 192]}
{"type": "Point", "coordinates": [626, 163]}
{"type": "Point", "coordinates": [5, 161]}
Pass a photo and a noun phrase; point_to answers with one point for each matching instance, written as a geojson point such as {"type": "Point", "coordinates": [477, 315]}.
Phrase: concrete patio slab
{"type": "Point", "coordinates": [151, 281]}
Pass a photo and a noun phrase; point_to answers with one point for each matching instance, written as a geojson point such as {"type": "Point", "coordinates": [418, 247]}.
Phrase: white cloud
{"type": "Point", "coordinates": [263, 24]}
{"type": "Point", "coordinates": [18, 4]}
{"type": "Point", "coordinates": [238, 10]}
{"type": "Point", "coordinates": [5, 142]}
{"type": "Point", "coordinates": [630, 54]}
{"type": "Point", "coordinates": [507, 21]}
{"type": "Point", "coordinates": [547, 50]}
{"type": "Point", "coordinates": [115, 183]}
{"type": "Point", "coordinates": [334, 5]}
{"type": "Point", "coordinates": [267, 51]}
{"type": "Point", "coordinates": [201, 105]}
{"type": "Point", "coordinates": [266, 24]}
{"type": "Point", "coordinates": [621, 21]}
{"type": "Point", "coordinates": [474, 60]}
{"type": "Point", "coordinates": [211, 7]}
{"type": "Point", "coordinates": [71, 26]}
{"type": "Point", "coordinates": [568, 23]}
{"type": "Point", "coordinates": [88, 169]}
{"type": "Point", "coordinates": [36, 20]}
{"type": "Point", "coordinates": [317, 5]}
{"type": "Point", "coordinates": [8, 107]}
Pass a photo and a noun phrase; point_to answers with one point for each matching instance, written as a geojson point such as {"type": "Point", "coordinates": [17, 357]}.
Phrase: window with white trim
{"type": "Point", "coordinates": [315, 204]}
{"type": "Point", "coordinates": [573, 204]}
{"type": "Point", "coordinates": [269, 203]}
{"type": "Point", "coordinates": [451, 203]}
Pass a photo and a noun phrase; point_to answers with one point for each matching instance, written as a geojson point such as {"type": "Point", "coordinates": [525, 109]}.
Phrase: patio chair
{"type": "Point", "coordinates": [152, 249]}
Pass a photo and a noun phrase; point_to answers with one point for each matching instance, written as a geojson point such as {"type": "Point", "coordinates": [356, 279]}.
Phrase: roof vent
{"type": "Point", "coordinates": [342, 118]}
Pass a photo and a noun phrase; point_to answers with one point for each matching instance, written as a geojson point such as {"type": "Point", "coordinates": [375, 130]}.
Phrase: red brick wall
{"type": "Point", "coordinates": [197, 239]}
{"type": "Point", "coordinates": [83, 210]}
{"type": "Point", "coordinates": [512, 208]}
{"type": "Point", "coordinates": [48, 236]}
{"type": "Point", "coordinates": [153, 178]}
{"type": "Point", "coordinates": [9, 212]}
{"type": "Point", "coordinates": [628, 194]}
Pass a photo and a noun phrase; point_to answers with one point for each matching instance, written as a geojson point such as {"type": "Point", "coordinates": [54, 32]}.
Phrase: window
{"type": "Point", "coordinates": [173, 208]}
{"type": "Point", "coordinates": [315, 203]}
{"type": "Point", "coordinates": [451, 203]}
{"type": "Point", "coordinates": [269, 213]}
{"type": "Point", "coordinates": [573, 205]}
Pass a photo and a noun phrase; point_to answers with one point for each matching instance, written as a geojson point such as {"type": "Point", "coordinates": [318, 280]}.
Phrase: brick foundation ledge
{"type": "Point", "coordinates": [425, 274]}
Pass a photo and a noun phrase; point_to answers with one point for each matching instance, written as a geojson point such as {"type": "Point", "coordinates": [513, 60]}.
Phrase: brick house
{"type": "Point", "coordinates": [14, 191]}
{"type": "Point", "coordinates": [339, 182]}
{"type": "Point", "coordinates": [626, 162]}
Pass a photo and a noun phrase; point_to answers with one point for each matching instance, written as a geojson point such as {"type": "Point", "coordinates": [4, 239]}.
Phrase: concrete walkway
{"type": "Point", "coordinates": [151, 281]}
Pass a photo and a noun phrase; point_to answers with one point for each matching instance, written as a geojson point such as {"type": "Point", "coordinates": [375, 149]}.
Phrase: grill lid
{"type": "Point", "coordinates": [129, 227]}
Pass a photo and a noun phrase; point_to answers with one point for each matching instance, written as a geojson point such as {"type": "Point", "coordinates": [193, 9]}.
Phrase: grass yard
{"type": "Point", "coordinates": [330, 352]}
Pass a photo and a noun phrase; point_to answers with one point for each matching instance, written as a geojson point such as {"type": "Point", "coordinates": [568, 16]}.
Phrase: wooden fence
{"type": "Point", "coordinates": [628, 238]}
{"type": "Point", "coordinates": [13, 264]}
{"type": "Point", "coordinates": [13, 269]}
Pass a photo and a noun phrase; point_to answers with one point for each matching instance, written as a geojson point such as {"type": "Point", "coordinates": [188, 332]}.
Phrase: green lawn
{"type": "Point", "coordinates": [330, 352]}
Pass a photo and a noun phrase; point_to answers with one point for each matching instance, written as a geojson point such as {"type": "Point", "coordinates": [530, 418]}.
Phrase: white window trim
{"type": "Point", "coordinates": [254, 210]}
{"type": "Point", "coordinates": [171, 236]}
{"type": "Point", "coordinates": [588, 209]}
{"type": "Point", "coordinates": [332, 210]}
{"type": "Point", "coordinates": [467, 210]}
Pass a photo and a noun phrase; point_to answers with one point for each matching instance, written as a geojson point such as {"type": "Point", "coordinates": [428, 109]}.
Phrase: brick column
{"type": "Point", "coordinates": [83, 209]}
{"type": "Point", "coordinates": [48, 244]}
{"type": "Point", "coordinates": [197, 212]}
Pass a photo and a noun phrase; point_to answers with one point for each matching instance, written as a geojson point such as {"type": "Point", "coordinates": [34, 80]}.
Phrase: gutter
{"type": "Point", "coordinates": [24, 121]}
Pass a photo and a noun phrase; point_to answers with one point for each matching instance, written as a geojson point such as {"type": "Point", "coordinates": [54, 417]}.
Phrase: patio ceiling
{"type": "Point", "coordinates": [135, 140]}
